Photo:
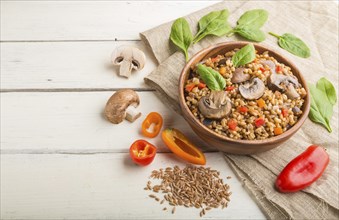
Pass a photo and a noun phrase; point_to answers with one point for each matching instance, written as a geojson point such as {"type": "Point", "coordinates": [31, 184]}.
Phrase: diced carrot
{"type": "Point", "coordinates": [261, 103]}
{"type": "Point", "coordinates": [201, 85]}
{"type": "Point", "coordinates": [242, 109]}
{"type": "Point", "coordinates": [232, 124]}
{"type": "Point", "coordinates": [259, 122]}
{"type": "Point", "coordinates": [278, 130]}
{"type": "Point", "coordinates": [222, 70]}
{"type": "Point", "coordinates": [229, 88]}
{"type": "Point", "coordinates": [284, 112]}
{"type": "Point", "coordinates": [189, 87]}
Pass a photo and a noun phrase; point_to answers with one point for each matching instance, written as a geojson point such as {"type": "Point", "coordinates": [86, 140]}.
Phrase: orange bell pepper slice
{"type": "Point", "coordinates": [142, 152]}
{"type": "Point", "coordinates": [182, 147]}
{"type": "Point", "coordinates": [147, 129]}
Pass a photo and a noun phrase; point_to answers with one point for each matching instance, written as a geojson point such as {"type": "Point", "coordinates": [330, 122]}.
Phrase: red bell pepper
{"type": "Point", "coordinates": [201, 85]}
{"type": "Point", "coordinates": [189, 87]}
{"type": "Point", "coordinates": [259, 122]}
{"type": "Point", "coordinates": [303, 170]}
{"type": "Point", "coordinates": [142, 152]}
{"type": "Point", "coordinates": [242, 109]}
{"type": "Point", "coordinates": [232, 124]}
{"type": "Point", "coordinates": [230, 88]}
{"type": "Point", "coordinates": [155, 119]}
{"type": "Point", "coordinates": [278, 69]}
{"type": "Point", "coordinates": [284, 112]}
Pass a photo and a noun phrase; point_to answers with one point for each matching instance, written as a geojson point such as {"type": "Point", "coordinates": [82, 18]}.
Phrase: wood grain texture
{"type": "Point", "coordinates": [87, 20]}
{"type": "Point", "coordinates": [74, 123]}
{"type": "Point", "coordinates": [67, 65]}
{"type": "Point", "coordinates": [101, 186]}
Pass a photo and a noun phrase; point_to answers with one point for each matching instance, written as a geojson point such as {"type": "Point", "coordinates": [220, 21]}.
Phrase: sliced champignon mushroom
{"type": "Point", "coordinates": [270, 64]}
{"type": "Point", "coordinates": [122, 106]}
{"type": "Point", "coordinates": [239, 76]}
{"type": "Point", "coordinates": [253, 89]}
{"type": "Point", "coordinates": [291, 92]}
{"type": "Point", "coordinates": [128, 58]}
{"type": "Point", "coordinates": [216, 105]}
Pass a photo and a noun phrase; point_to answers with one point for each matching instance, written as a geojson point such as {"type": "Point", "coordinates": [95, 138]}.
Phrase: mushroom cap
{"type": "Point", "coordinates": [239, 76]}
{"type": "Point", "coordinates": [115, 110]}
{"type": "Point", "coordinates": [291, 92]}
{"type": "Point", "coordinates": [129, 54]}
{"type": "Point", "coordinates": [253, 89]}
{"type": "Point", "coordinates": [216, 105]}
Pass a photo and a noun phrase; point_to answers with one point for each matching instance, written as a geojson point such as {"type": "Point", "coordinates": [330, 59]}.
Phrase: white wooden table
{"type": "Point", "coordinates": [60, 159]}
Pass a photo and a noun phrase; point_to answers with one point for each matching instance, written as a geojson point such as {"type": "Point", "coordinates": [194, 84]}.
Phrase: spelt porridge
{"type": "Point", "coordinates": [262, 99]}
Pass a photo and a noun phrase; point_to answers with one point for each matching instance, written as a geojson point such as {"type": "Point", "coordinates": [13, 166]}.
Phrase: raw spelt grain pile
{"type": "Point", "coordinates": [197, 187]}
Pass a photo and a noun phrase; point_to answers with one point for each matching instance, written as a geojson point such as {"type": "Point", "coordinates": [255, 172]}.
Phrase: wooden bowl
{"type": "Point", "coordinates": [222, 142]}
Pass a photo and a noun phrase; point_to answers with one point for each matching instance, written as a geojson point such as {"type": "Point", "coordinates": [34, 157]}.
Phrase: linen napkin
{"type": "Point", "coordinates": [317, 24]}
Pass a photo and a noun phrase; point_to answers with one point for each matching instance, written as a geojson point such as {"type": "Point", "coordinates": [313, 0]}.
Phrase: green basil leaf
{"type": "Point", "coordinates": [181, 35]}
{"type": "Point", "coordinates": [250, 34]}
{"type": "Point", "coordinates": [244, 55]}
{"type": "Point", "coordinates": [253, 19]}
{"type": "Point", "coordinates": [214, 23]}
{"type": "Point", "coordinates": [326, 86]}
{"type": "Point", "coordinates": [212, 78]}
{"type": "Point", "coordinates": [321, 109]}
{"type": "Point", "coordinates": [293, 45]}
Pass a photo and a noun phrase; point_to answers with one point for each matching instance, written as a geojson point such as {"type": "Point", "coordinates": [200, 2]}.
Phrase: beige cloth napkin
{"type": "Point", "coordinates": [317, 24]}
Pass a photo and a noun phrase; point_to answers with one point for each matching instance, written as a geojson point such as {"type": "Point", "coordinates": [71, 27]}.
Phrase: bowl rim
{"type": "Point", "coordinates": [273, 53]}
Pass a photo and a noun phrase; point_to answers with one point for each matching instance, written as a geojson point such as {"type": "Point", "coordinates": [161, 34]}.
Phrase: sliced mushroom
{"type": "Point", "coordinates": [122, 105]}
{"type": "Point", "coordinates": [128, 58]}
{"type": "Point", "coordinates": [239, 76]}
{"type": "Point", "coordinates": [291, 92]}
{"type": "Point", "coordinates": [269, 63]}
{"type": "Point", "coordinates": [216, 105]}
{"type": "Point", "coordinates": [253, 89]}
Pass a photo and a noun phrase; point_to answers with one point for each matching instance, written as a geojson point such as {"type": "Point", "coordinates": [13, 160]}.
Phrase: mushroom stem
{"type": "Point", "coordinates": [132, 113]}
{"type": "Point", "coordinates": [125, 69]}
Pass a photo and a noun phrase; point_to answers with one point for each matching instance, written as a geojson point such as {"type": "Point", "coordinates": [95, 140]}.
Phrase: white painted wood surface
{"type": "Point", "coordinates": [60, 159]}
{"type": "Point", "coordinates": [67, 65]}
{"type": "Point", "coordinates": [55, 122]}
{"type": "Point", "coordinates": [98, 186]}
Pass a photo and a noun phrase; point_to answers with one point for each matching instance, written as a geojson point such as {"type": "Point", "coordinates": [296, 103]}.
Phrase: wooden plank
{"type": "Point", "coordinates": [101, 186]}
{"type": "Point", "coordinates": [74, 123]}
{"type": "Point", "coordinates": [67, 65]}
{"type": "Point", "coordinates": [87, 20]}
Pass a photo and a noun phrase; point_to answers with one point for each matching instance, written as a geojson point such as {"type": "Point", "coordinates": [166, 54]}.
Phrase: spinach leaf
{"type": "Point", "coordinates": [214, 23]}
{"type": "Point", "coordinates": [244, 55]}
{"type": "Point", "coordinates": [321, 109]}
{"type": "Point", "coordinates": [249, 24]}
{"type": "Point", "coordinates": [212, 78]}
{"type": "Point", "coordinates": [253, 19]}
{"type": "Point", "coordinates": [326, 86]}
{"type": "Point", "coordinates": [293, 44]}
{"type": "Point", "coordinates": [250, 34]}
{"type": "Point", "coordinates": [181, 35]}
